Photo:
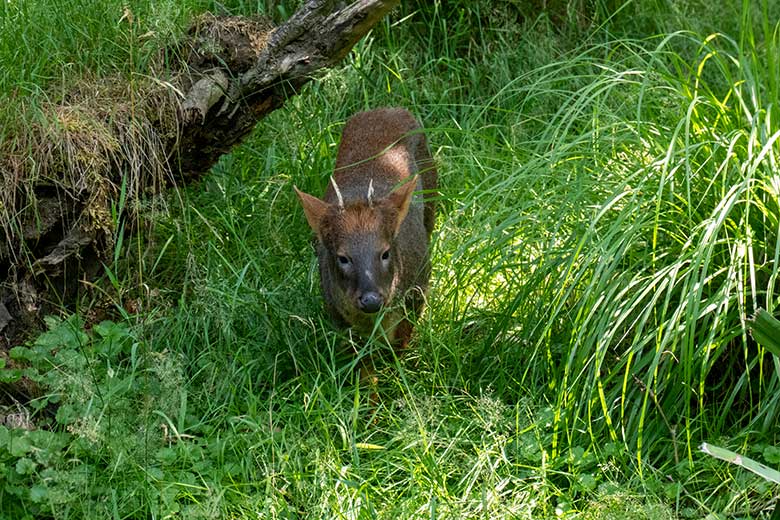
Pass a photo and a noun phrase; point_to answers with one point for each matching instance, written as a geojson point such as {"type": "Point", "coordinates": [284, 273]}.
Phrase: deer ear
{"type": "Point", "coordinates": [400, 199]}
{"type": "Point", "coordinates": [313, 208]}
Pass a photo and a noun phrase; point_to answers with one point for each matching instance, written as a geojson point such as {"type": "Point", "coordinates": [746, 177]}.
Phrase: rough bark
{"type": "Point", "coordinates": [315, 37]}
{"type": "Point", "coordinates": [55, 209]}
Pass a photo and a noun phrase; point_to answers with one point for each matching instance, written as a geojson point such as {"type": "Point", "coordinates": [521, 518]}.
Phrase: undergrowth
{"type": "Point", "coordinates": [608, 224]}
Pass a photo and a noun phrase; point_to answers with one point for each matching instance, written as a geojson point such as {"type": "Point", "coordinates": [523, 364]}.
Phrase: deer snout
{"type": "Point", "coordinates": [370, 302]}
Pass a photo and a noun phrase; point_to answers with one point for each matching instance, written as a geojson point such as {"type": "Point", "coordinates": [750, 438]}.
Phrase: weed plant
{"type": "Point", "coordinates": [608, 224]}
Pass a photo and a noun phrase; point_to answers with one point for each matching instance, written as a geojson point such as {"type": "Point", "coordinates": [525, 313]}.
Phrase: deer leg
{"type": "Point", "coordinates": [403, 334]}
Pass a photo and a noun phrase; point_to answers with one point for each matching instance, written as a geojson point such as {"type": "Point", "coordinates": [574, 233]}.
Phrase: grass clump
{"type": "Point", "coordinates": [660, 249]}
{"type": "Point", "coordinates": [74, 109]}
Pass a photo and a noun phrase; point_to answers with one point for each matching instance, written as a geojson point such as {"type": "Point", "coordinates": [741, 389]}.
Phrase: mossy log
{"type": "Point", "coordinates": [108, 144]}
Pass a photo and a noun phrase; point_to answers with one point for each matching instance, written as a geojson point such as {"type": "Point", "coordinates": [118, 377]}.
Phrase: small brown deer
{"type": "Point", "coordinates": [372, 230]}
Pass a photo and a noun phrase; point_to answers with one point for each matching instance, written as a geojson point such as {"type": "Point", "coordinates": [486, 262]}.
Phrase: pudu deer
{"type": "Point", "coordinates": [372, 229]}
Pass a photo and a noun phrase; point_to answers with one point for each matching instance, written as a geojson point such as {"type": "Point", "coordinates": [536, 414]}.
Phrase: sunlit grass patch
{"type": "Point", "coordinates": [640, 246]}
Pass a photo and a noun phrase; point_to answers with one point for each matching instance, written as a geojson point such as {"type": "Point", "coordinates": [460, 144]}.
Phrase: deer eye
{"type": "Point", "coordinates": [344, 260]}
{"type": "Point", "coordinates": [386, 255]}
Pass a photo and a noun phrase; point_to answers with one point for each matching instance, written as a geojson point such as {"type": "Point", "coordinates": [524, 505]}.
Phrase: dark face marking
{"type": "Point", "coordinates": [359, 244]}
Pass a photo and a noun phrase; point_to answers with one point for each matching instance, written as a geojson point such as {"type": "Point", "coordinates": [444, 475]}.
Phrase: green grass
{"type": "Point", "coordinates": [608, 224]}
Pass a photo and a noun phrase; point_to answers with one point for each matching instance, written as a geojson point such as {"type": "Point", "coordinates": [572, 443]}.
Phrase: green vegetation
{"type": "Point", "coordinates": [746, 462]}
{"type": "Point", "coordinates": [766, 331]}
{"type": "Point", "coordinates": [608, 226]}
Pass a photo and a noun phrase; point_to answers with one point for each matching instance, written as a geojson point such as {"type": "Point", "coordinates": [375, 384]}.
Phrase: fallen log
{"type": "Point", "coordinates": [110, 144]}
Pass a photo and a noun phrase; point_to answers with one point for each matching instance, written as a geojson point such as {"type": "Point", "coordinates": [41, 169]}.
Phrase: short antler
{"type": "Point", "coordinates": [370, 193]}
{"type": "Point", "coordinates": [338, 193]}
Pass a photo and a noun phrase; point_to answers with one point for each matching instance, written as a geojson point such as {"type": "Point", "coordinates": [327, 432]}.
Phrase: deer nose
{"type": "Point", "coordinates": [370, 302]}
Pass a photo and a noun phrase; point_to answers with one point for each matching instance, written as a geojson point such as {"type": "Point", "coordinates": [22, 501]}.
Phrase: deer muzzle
{"type": "Point", "coordinates": [370, 302]}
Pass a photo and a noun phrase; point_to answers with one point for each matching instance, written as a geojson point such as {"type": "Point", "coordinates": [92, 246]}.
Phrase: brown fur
{"type": "Point", "coordinates": [384, 150]}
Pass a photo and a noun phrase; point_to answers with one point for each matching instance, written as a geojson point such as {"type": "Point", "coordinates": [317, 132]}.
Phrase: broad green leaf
{"type": "Point", "coordinates": [19, 445]}
{"type": "Point", "coordinates": [765, 329]}
{"type": "Point", "coordinates": [25, 466]}
{"type": "Point", "coordinates": [772, 454]}
{"type": "Point", "coordinates": [38, 493]}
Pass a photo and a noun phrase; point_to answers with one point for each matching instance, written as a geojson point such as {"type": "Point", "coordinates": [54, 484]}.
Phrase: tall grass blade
{"type": "Point", "coordinates": [749, 464]}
